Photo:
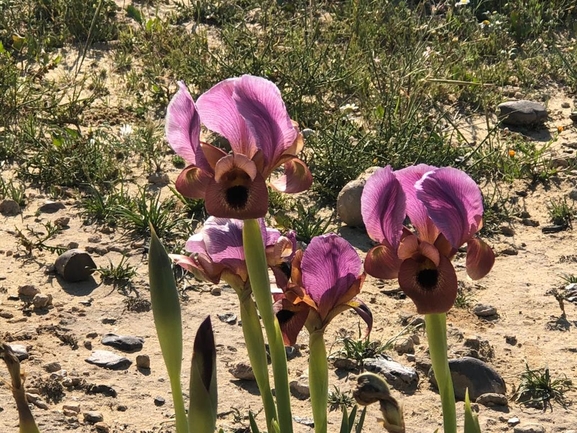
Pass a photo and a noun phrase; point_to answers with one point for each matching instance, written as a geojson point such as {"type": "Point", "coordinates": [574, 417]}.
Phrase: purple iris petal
{"type": "Point", "coordinates": [219, 113]}
{"type": "Point", "coordinates": [383, 207]}
{"type": "Point", "coordinates": [260, 103]}
{"type": "Point", "coordinates": [183, 125]}
{"type": "Point", "coordinates": [416, 211]}
{"type": "Point", "coordinates": [330, 265]}
{"type": "Point", "coordinates": [453, 201]}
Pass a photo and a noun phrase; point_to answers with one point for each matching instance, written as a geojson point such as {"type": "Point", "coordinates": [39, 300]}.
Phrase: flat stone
{"type": "Point", "coordinates": [554, 228]}
{"type": "Point", "coordinates": [125, 343]}
{"type": "Point", "coordinates": [349, 199]}
{"type": "Point", "coordinates": [229, 318]}
{"type": "Point", "coordinates": [105, 390]}
{"type": "Point", "coordinates": [242, 370]}
{"type": "Point", "coordinates": [93, 417]}
{"type": "Point", "coordinates": [404, 379]}
{"type": "Point", "coordinates": [160, 179]}
{"type": "Point", "coordinates": [405, 345]}
{"type": "Point", "coordinates": [522, 113]}
{"type": "Point", "coordinates": [491, 399]}
{"type": "Point", "coordinates": [51, 206]}
{"type": "Point", "coordinates": [75, 265]}
{"type": "Point", "coordinates": [483, 310]}
{"type": "Point", "coordinates": [106, 359]}
{"type": "Point", "coordinates": [72, 407]}
{"type": "Point", "coordinates": [9, 207]}
{"type": "Point", "coordinates": [42, 300]}
{"type": "Point", "coordinates": [300, 388]}
{"type": "Point", "coordinates": [28, 290]}
{"type": "Point", "coordinates": [102, 427]}
{"type": "Point", "coordinates": [306, 421]}
{"type": "Point", "coordinates": [20, 351]}
{"type": "Point", "coordinates": [474, 374]}
{"type": "Point", "coordinates": [529, 428]}
{"type": "Point", "coordinates": [52, 367]}
{"type": "Point", "coordinates": [143, 361]}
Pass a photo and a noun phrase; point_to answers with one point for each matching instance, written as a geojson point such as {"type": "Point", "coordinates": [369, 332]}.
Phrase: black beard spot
{"type": "Point", "coordinates": [284, 316]}
{"type": "Point", "coordinates": [237, 196]}
{"type": "Point", "coordinates": [427, 278]}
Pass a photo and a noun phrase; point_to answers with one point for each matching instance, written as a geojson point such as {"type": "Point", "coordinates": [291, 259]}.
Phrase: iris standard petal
{"type": "Point", "coordinates": [382, 262]}
{"type": "Point", "coordinates": [383, 207]}
{"type": "Point", "coordinates": [454, 203]}
{"type": "Point", "coordinates": [219, 113]}
{"type": "Point", "coordinates": [480, 258]}
{"type": "Point", "coordinates": [432, 288]}
{"type": "Point", "coordinates": [260, 103]}
{"type": "Point", "coordinates": [416, 211]}
{"type": "Point", "coordinates": [296, 178]}
{"type": "Point", "coordinates": [183, 125]}
{"type": "Point", "coordinates": [330, 266]}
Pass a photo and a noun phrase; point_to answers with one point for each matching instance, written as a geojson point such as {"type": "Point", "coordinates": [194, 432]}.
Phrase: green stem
{"type": "Point", "coordinates": [436, 326]}
{"type": "Point", "coordinates": [254, 340]}
{"type": "Point", "coordinates": [318, 379]}
{"type": "Point", "coordinates": [179, 412]}
{"type": "Point", "coordinates": [259, 280]}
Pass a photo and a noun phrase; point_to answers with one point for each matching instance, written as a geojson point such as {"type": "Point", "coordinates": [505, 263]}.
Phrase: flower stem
{"type": "Point", "coordinates": [436, 326]}
{"type": "Point", "coordinates": [318, 379]}
{"type": "Point", "coordinates": [259, 280]}
{"type": "Point", "coordinates": [254, 340]}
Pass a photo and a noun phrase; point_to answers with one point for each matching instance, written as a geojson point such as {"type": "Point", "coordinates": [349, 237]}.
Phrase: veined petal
{"type": "Point", "coordinates": [480, 258]}
{"type": "Point", "coordinates": [291, 319]}
{"type": "Point", "coordinates": [219, 113]}
{"type": "Point", "coordinates": [183, 125]}
{"type": "Point", "coordinates": [232, 163]}
{"type": "Point", "coordinates": [212, 154]}
{"type": "Point", "coordinates": [260, 103]}
{"type": "Point", "coordinates": [297, 177]}
{"type": "Point", "coordinates": [383, 207]}
{"type": "Point", "coordinates": [432, 288]}
{"type": "Point", "coordinates": [192, 182]}
{"type": "Point", "coordinates": [222, 238]}
{"type": "Point", "coordinates": [330, 266]}
{"type": "Point", "coordinates": [200, 266]}
{"type": "Point", "coordinates": [416, 211]}
{"type": "Point", "coordinates": [454, 203]}
{"type": "Point", "coordinates": [382, 262]}
{"type": "Point", "coordinates": [361, 309]}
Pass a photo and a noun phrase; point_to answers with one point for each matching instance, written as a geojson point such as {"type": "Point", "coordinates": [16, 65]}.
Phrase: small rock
{"type": "Point", "coordinates": [87, 344]}
{"type": "Point", "coordinates": [52, 367]}
{"type": "Point", "coordinates": [75, 265]}
{"type": "Point", "coordinates": [216, 290]}
{"type": "Point", "coordinates": [304, 421]}
{"type": "Point", "coordinates": [125, 343]}
{"type": "Point", "coordinates": [158, 179]}
{"type": "Point", "coordinates": [477, 347]}
{"type": "Point", "coordinates": [42, 301]}
{"type": "Point", "coordinates": [530, 222]}
{"type": "Point", "coordinates": [106, 359]}
{"type": "Point", "coordinates": [573, 116]}
{"type": "Point", "coordinates": [513, 421]}
{"type": "Point", "coordinates": [143, 361]}
{"type": "Point", "coordinates": [573, 194]}
{"type": "Point", "coordinates": [345, 364]}
{"type": "Point", "coordinates": [511, 339]}
{"type": "Point", "coordinates": [93, 417]}
{"type": "Point", "coordinates": [554, 228]}
{"type": "Point", "coordinates": [72, 407]}
{"type": "Point", "coordinates": [102, 427]}
{"type": "Point", "coordinates": [229, 318]}
{"type": "Point", "coordinates": [565, 105]}
{"type": "Point", "coordinates": [507, 230]}
{"type": "Point", "coordinates": [159, 401]}
{"type": "Point", "coordinates": [28, 290]}
{"type": "Point", "coordinates": [404, 379]}
{"type": "Point", "coordinates": [300, 388]}
{"type": "Point", "coordinates": [483, 310]}
{"type": "Point", "coordinates": [20, 351]}
{"type": "Point", "coordinates": [6, 314]}
{"type": "Point", "coordinates": [51, 207]}
{"type": "Point", "coordinates": [509, 250]}
{"type": "Point", "coordinates": [529, 428]}
{"type": "Point", "coordinates": [36, 400]}
{"type": "Point", "coordinates": [62, 221]}
{"type": "Point", "coordinates": [405, 345]}
{"type": "Point", "coordinates": [108, 320]}
{"type": "Point", "coordinates": [105, 390]}
{"type": "Point", "coordinates": [475, 375]}
{"type": "Point", "coordinates": [307, 132]}
{"type": "Point", "coordinates": [522, 113]}
{"type": "Point", "coordinates": [95, 239]}
{"type": "Point", "coordinates": [9, 207]}
{"type": "Point", "coordinates": [349, 199]}
{"type": "Point", "coordinates": [242, 370]}
{"type": "Point", "coordinates": [491, 399]}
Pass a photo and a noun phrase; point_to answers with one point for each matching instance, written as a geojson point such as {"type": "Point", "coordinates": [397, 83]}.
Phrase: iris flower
{"type": "Point", "coordinates": [250, 114]}
{"type": "Point", "coordinates": [217, 252]}
{"type": "Point", "coordinates": [325, 281]}
{"type": "Point", "coordinates": [445, 207]}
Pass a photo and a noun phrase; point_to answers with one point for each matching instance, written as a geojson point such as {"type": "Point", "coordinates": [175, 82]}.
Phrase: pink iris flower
{"type": "Point", "coordinates": [325, 281]}
{"type": "Point", "coordinates": [217, 253]}
{"type": "Point", "coordinates": [445, 207]}
{"type": "Point", "coordinates": [249, 112]}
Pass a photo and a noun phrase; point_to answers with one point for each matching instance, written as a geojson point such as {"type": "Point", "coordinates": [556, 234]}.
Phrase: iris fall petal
{"type": "Point", "coordinates": [480, 258]}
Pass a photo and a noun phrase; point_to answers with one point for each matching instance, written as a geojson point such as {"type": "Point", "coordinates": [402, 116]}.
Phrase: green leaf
{"type": "Point", "coordinates": [134, 13]}
{"type": "Point", "coordinates": [253, 426]}
{"type": "Point", "coordinates": [471, 420]}
{"type": "Point", "coordinates": [167, 319]}
{"type": "Point", "coordinates": [361, 420]}
{"type": "Point", "coordinates": [202, 409]}
{"type": "Point", "coordinates": [345, 421]}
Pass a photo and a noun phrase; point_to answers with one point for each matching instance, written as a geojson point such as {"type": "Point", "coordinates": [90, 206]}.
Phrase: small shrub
{"type": "Point", "coordinates": [538, 389]}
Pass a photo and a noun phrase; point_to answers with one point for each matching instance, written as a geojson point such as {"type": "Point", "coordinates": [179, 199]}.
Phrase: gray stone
{"type": "Point", "coordinates": [530, 222]}
{"type": "Point", "coordinates": [42, 301]}
{"type": "Point", "coordinates": [507, 230]}
{"type": "Point", "coordinates": [75, 265]}
{"type": "Point", "coordinates": [483, 310]}
{"type": "Point", "coordinates": [475, 375]}
{"type": "Point", "coordinates": [28, 290]}
{"type": "Point", "coordinates": [62, 222]}
{"type": "Point", "coordinates": [405, 345]}
{"type": "Point", "coordinates": [306, 421]}
{"type": "Point", "coordinates": [242, 370]}
{"type": "Point", "coordinates": [20, 351]}
{"type": "Point", "coordinates": [513, 421]}
{"type": "Point", "coordinates": [106, 359]}
{"type": "Point", "coordinates": [491, 399]}
{"type": "Point", "coordinates": [93, 417]}
{"type": "Point", "coordinates": [9, 207]}
{"type": "Point", "coordinates": [102, 427]}
{"type": "Point", "coordinates": [522, 113]}
{"type": "Point", "coordinates": [300, 388]}
{"type": "Point", "coordinates": [349, 199]}
{"type": "Point", "coordinates": [573, 116]}
{"type": "Point", "coordinates": [229, 318]}
{"type": "Point", "coordinates": [159, 401]}
{"type": "Point", "coordinates": [476, 347]}
{"type": "Point", "coordinates": [126, 343]}
{"type": "Point", "coordinates": [404, 379]}
{"type": "Point", "coordinates": [143, 361]}
{"type": "Point", "coordinates": [160, 179]}
{"type": "Point", "coordinates": [529, 428]}
{"type": "Point", "coordinates": [52, 367]}
{"type": "Point", "coordinates": [51, 206]}
{"type": "Point", "coordinates": [573, 194]}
